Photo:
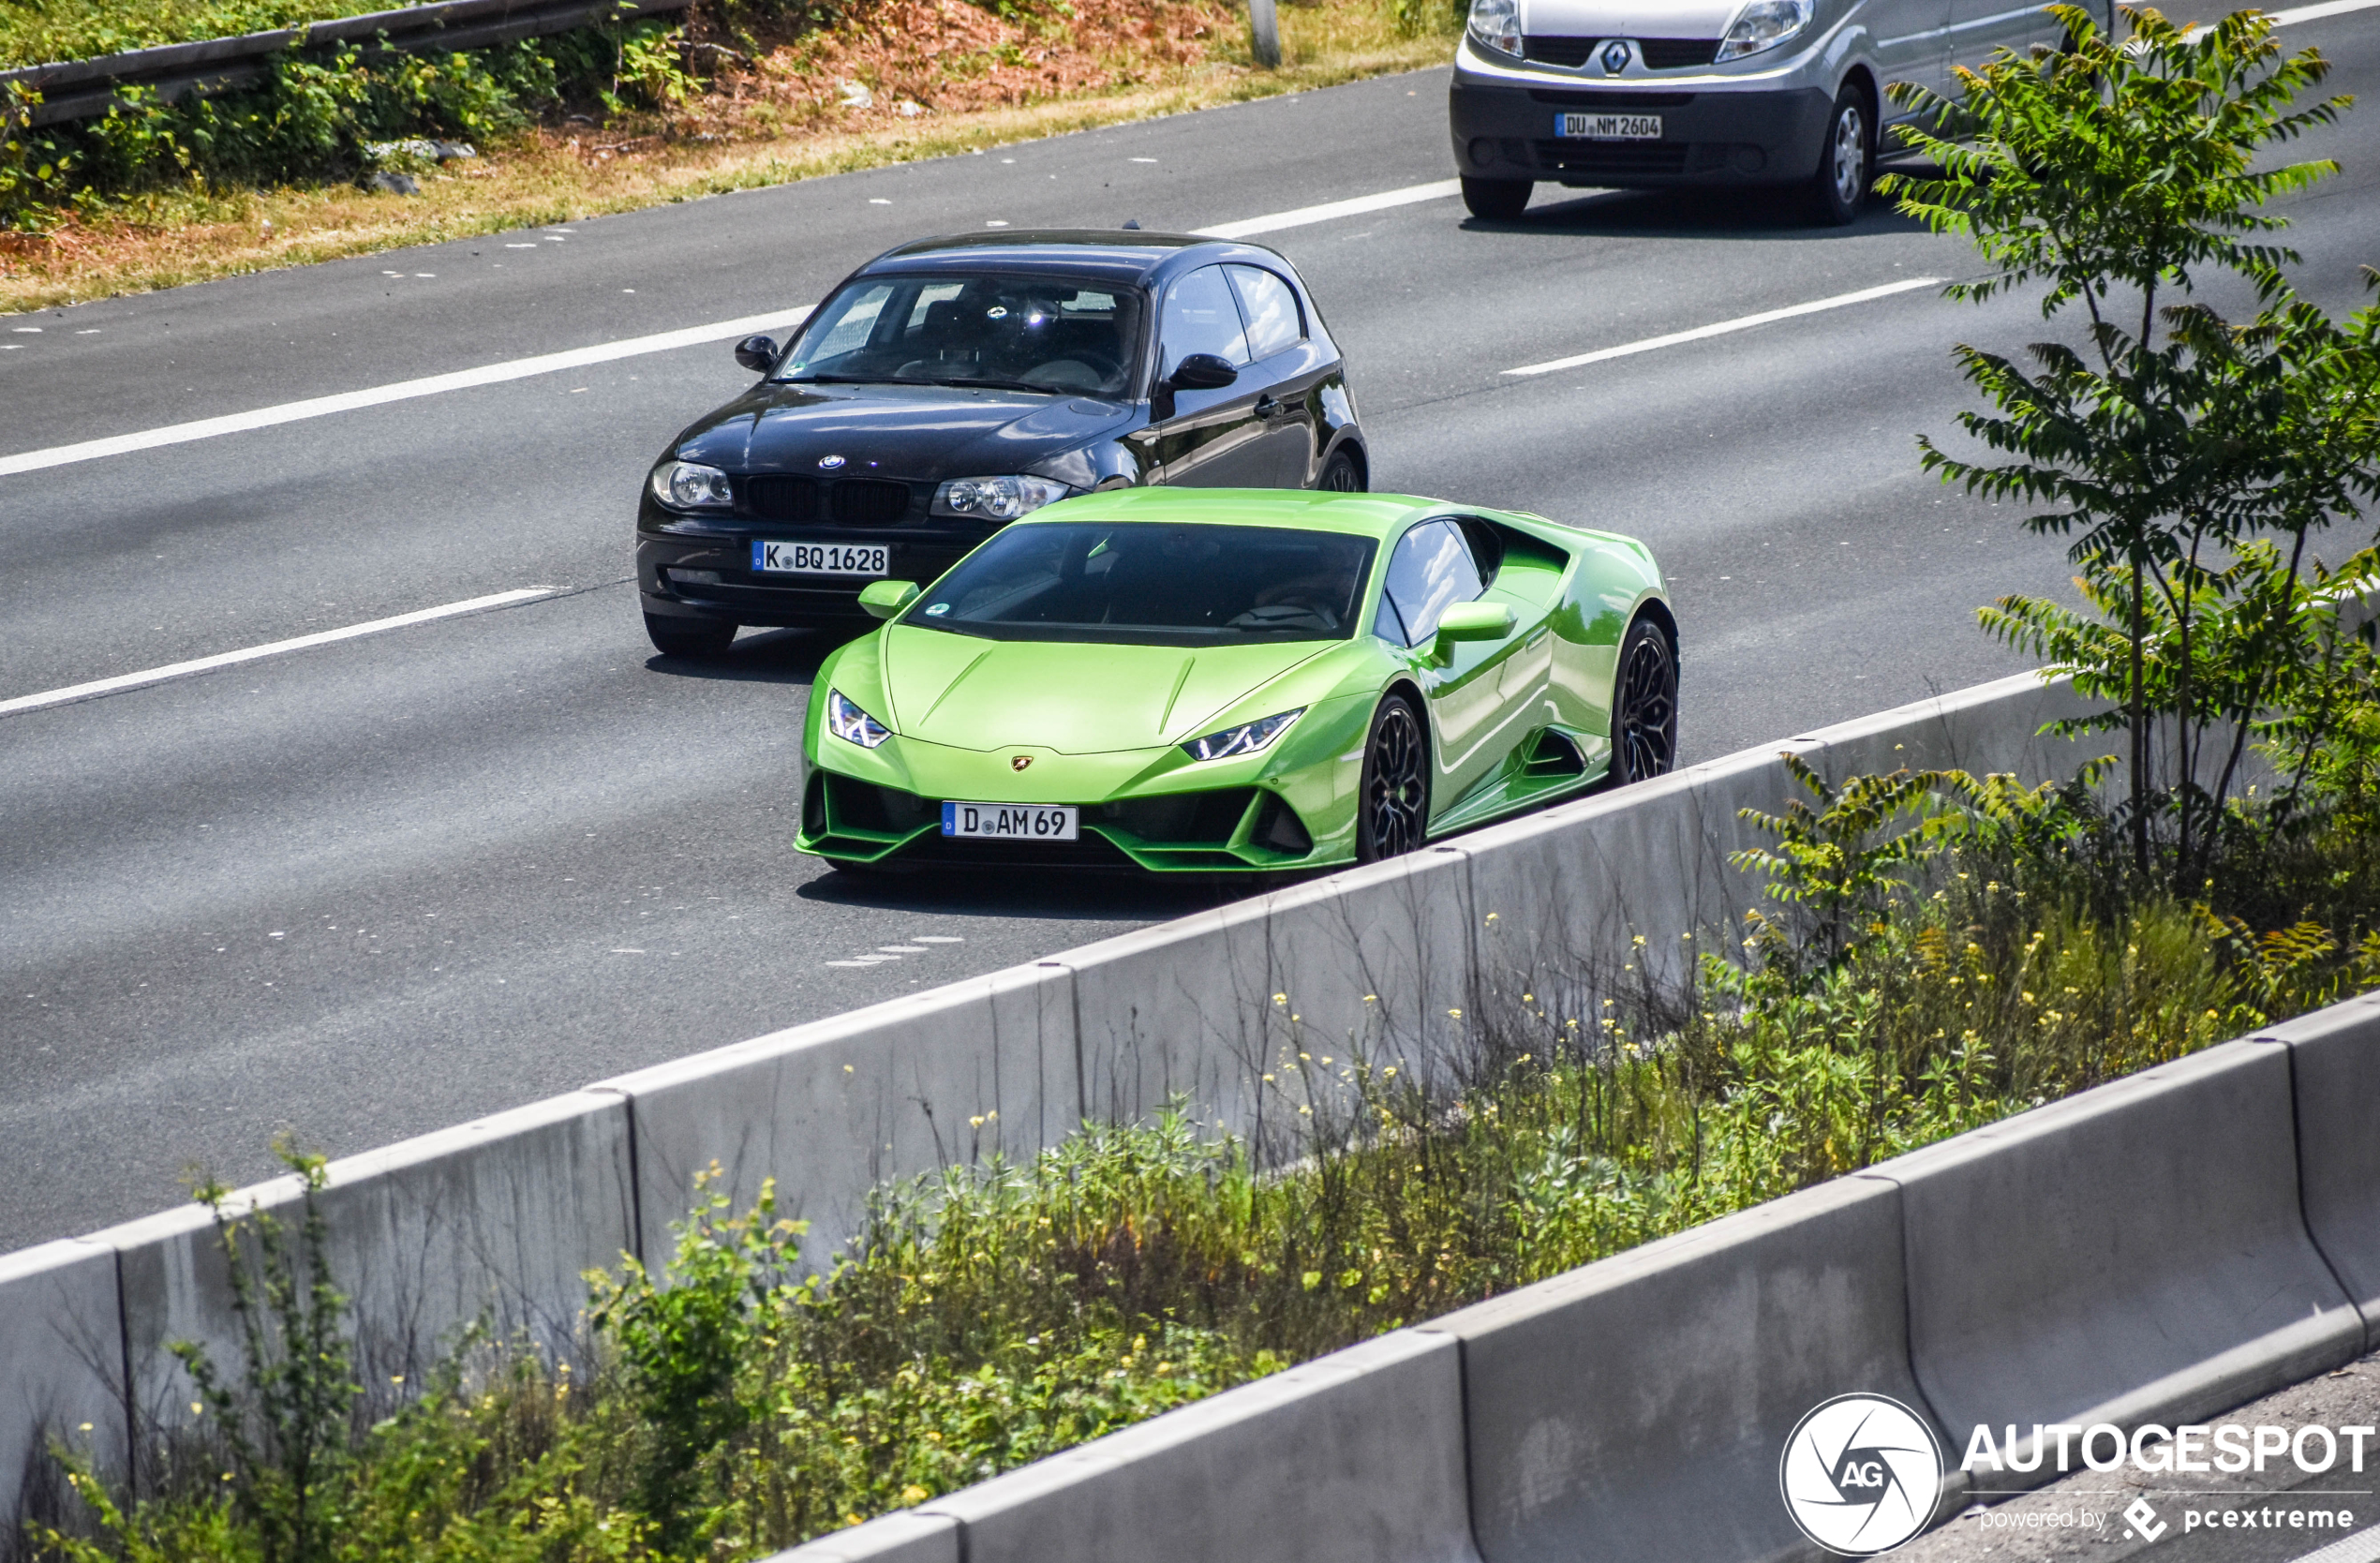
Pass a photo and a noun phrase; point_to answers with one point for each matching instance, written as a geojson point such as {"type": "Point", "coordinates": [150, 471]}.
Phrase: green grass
{"type": "Point", "coordinates": [53, 30]}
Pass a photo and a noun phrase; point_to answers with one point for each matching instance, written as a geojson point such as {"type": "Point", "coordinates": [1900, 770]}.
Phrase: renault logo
{"type": "Point", "coordinates": [1615, 55]}
{"type": "Point", "coordinates": [831, 462]}
{"type": "Point", "coordinates": [1019, 762]}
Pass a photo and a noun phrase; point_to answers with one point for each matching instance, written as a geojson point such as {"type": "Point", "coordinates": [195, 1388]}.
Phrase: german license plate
{"type": "Point", "coordinates": [821, 558]}
{"type": "Point", "coordinates": [1608, 127]}
{"type": "Point", "coordinates": [1010, 822]}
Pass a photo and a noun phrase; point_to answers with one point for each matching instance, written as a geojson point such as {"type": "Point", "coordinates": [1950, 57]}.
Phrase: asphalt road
{"type": "Point", "coordinates": [371, 888]}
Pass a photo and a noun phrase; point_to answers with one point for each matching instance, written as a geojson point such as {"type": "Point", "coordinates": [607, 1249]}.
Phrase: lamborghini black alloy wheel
{"type": "Point", "coordinates": [1396, 783]}
{"type": "Point", "coordinates": [1645, 721]}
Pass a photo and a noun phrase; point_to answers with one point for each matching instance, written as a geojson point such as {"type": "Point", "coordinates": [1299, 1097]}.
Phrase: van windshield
{"type": "Point", "coordinates": [1151, 584]}
{"type": "Point", "coordinates": [1022, 333]}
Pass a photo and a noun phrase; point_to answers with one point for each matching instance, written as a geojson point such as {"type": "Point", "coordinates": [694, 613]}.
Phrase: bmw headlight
{"type": "Point", "coordinates": [692, 486]}
{"type": "Point", "coordinates": [1762, 24]}
{"type": "Point", "coordinates": [996, 499]}
{"type": "Point", "coordinates": [1496, 23]}
{"type": "Point", "coordinates": [850, 724]}
{"type": "Point", "coordinates": [1246, 739]}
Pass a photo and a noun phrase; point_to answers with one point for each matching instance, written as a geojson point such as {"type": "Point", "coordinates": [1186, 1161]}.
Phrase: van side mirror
{"type": "Point", "coordinates": [886, 597]}
{"type": "Point", "coordinates": [756, 353]}
{"type": "Point", "coordinates": [1201, 371]}
{"type": "Point", "coordinates": [1471, 621]}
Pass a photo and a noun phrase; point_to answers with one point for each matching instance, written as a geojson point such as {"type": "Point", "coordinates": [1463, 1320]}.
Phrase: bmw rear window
{"type": "Point", "coordinates": [1150, 584]}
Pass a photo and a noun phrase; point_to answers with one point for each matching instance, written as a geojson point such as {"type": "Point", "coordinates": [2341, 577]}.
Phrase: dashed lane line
{"type": "Point", "coordinates": [1328, 211]}
{"type": "Point", "coordinates": [73, 693]}
{"type": "Point", "coordinates": [1721, 327]}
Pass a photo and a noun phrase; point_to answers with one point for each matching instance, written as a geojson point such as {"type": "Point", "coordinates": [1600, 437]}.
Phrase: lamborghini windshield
{"type": "Point", "coordinates": [1021, 333]}
{"type": "Point", "coordinates": [1148, 584]}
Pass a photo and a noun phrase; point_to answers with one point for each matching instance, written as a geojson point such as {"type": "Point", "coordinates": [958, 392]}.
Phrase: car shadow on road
{"type": "Point", "coordinates": [765, 656]}
{"type": "Point", "coordinates": [1043, 895]}
{"type": "Point", "coordinates": [1695, 214]}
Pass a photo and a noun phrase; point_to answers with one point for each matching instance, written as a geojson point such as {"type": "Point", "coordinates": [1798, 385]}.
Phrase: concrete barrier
{"type": "Point", "coordinates": [2131, 1254]}
{"type": "Point", "coordinates": [1355, 1457]}
{"type": "Point", "coordinates": [2334, 1055]}
{"type": "Point", "coordinates": [902, 1538]}
{"type": "Point", "coordinates": [60, 1373]}
{"type": "Point", "coordinates": [835, 1109]}
{"type": "Point", "coordinates": [1635, 1410]}
{"type": "Point", "coordinates": [496, 1220]}
{"type": "Point", "coordinates": [1375, 959]}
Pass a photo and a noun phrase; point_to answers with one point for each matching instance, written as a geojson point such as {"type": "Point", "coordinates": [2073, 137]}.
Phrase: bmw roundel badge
{"type": "Point", "coordinates": [1615, 56]}
{"type": "Point", "coordinates": [831, 462]}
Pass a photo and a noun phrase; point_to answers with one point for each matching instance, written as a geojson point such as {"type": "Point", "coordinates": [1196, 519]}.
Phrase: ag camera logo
{"type": "Point", "coordinates": [1860, 1474]}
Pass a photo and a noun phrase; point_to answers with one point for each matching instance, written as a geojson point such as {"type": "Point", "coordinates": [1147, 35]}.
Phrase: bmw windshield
{"type": "Point", "coordinates": [1146, 583]}
{"type": "Point", "coordinates": [1013, 332]}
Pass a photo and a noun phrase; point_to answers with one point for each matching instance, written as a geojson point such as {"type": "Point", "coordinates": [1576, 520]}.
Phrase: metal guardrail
{"type": "Point", "coordinates": [86, 89]}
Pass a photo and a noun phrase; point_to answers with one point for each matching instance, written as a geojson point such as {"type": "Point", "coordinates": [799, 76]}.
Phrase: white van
{"type": "Point", "coordinates": [1639, 94]}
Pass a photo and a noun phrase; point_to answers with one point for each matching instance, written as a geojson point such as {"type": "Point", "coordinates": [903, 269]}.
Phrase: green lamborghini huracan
{"type": "Point", "coordinates": [1238, 680]}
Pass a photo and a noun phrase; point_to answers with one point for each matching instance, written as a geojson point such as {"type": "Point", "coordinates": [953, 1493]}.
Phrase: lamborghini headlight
{"type": "Point", "coordinates": [850, 724]}
{"type": "Point", "coordinates": [996, 499]}
{"type": "Point", "coordinates": [692, 486]}
{"type": "Point", "coordinates": [1762, 24]}
{"type": "Point", "coordinates": [1496, 23]}
{"type": "Point", "coordinates": [1246, 739]}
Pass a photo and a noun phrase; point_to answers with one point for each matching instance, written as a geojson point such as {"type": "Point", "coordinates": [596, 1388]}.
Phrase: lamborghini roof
{"type": "Point", "coordinates": [1366, 515]}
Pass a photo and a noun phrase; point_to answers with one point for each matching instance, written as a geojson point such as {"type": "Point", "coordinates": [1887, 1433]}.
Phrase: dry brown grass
{"type": "Point", "coordinates": [975, 81]}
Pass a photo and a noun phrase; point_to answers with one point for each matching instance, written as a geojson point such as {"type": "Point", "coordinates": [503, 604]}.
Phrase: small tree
{"type": "Point", "coordinates": [2116, 174]}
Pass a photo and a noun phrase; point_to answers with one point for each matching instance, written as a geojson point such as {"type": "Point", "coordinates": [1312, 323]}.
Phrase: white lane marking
{"type": "Point", "coordinates": [275, 648]}
{"type": "Point", "coordinates": [404, 389]}
{"type": "Point", "coordinates": [1721, 328]}
{"type": "Point", "coordinates": [2315, 13]}
{"type": "Point", "coordinates": [939, 939]}
{"type": "Point", "coordinates": [1303, 216]}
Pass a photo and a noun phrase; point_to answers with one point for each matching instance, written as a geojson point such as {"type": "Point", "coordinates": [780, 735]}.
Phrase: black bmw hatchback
{"type": "Point", "coordinates": [951, 385]}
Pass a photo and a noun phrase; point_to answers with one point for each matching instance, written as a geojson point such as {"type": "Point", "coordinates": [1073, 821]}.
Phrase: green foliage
{"type": "Point", "coordinates": [315, 115]}
{"type": "Point", "coordinates": [2191, 462]}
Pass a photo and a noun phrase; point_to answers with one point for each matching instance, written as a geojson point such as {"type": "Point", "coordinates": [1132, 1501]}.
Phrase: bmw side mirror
{"type": "Point", "coordinates": [886, 597]}
{"type": "Point", "coordinates": [756, 353]}
{"type": "Point", "coordinates": [1471, 621]}
{"type": "Point", "coordinates": [1201, 371]}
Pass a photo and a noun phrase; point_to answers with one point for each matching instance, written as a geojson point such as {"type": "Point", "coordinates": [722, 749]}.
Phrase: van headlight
{"type": "Point", "coordinates": [1496, 23]}
{"type": "Point", "coordinates": [1762, 24]}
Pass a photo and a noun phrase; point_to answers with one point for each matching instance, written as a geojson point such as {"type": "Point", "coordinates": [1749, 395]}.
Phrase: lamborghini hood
{"type": "Point", "coordinates": [1076, 699]}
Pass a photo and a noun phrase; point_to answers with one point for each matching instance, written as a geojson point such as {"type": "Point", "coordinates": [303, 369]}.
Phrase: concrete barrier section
{"type": "Point", "coordinates": [1636, 1410]}
{"type": "Point", "coordinates": [1375, 958]}
{"type": "Point", "coordinates": [903, 1538]}
{"type": "Point", "coordinates": [494, 1221]}
{"type": "Point", "coordinates": [2335, 1059]}
{"type": "Point", "coordinates": [1570, 887]}
{"type": "Point", "coordinates": [2134, 1254]}
{"type": "Point", "coordinates": [60, 1373]}
{"type": "Point", "coordinates": [1355, 1457]}
{"type": "Point", "coordinates": [832, 1109]}
{"type": "Point", "coordinates": [1986, 728]}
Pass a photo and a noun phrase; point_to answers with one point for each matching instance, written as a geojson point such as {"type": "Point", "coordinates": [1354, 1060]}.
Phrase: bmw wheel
{"type": "Point", "coordinates": [1846, 161]}
{"type": "Point", "coordinates": [1645, 706]}
{"type": "Point", "coordinates": [1340, 475]}
{"type": "Point", "coordinates": [1496, 200]}
{"type": "Point", "coordinates": [1395, 796]}
{"type": "Point", "coordinates": [689, 638]}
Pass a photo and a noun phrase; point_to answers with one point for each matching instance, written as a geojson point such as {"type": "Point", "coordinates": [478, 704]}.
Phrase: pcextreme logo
{"type": "Point", "coordinates": [1860, 1474]}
